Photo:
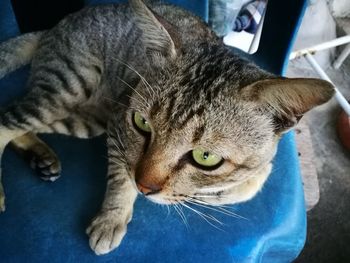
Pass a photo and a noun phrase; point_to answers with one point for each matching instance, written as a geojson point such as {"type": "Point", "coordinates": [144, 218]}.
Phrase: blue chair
{"type": "Point", "coordinates": [45, 222]}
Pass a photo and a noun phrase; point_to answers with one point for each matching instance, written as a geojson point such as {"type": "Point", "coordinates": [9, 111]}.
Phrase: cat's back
{"type": "Point", "coordinates": [189, 26]}
{"type": "Point", "coordinates": [107, 23]}
{"type": "Point", "coordinates": [95, 23]}
{"type": "Point", "coordinates": [108, 36]}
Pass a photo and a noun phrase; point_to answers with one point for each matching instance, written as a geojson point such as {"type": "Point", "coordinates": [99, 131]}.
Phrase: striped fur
{"type": "Point", "coordinates": [96, 68]}
{"type": "Point", "coordinates": [18, 51]}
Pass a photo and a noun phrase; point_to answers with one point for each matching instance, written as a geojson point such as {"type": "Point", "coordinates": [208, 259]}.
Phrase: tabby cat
{"type": "Point", "coordinates": [186, 118]}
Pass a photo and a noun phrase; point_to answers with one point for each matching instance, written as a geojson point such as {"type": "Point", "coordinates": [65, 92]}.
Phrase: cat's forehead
{"type": "Point", "coordinates": [211, 123]}
{"type": "Point", "coordinates": [200, 98]}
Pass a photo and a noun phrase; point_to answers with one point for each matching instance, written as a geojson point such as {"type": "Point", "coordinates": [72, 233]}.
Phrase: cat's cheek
{"type": "Point", "coordinates": [252, 186]}
{"type": "Point", "coordinates": [246, 190]}
{"type": "Point", "coordinates": [134, 152]}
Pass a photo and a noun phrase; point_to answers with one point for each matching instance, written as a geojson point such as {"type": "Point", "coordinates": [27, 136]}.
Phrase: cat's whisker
{"type": "Point", "coordinates": [225, 208]}
{"type": "Point", "coordinates": [184, 216]}
{"type": "Point", "coordinates": [122, 153]}
{"type": "Point", "coordinates": [133, 89]}
{"type": "Point", "coordinates": [181, 214]}
{"type": "Point", "coordinates": [117, 131]}
{"type": "Point", "coordinates": [218, 209]}
{"type": "Point", "coordinates": [138, 74]}
{"type": "Point", "coordinates": [114, 142]}
{"type": "Point", "coordinates": [119, 158]}
{"type": "Point", "coordinates": [153, 93]}
{"type": "Point", "coordinates": [205, 216]}
{"type": "Point", "coordinates": [207, 203]}
{"type": "Point", "coordinates": [115, 101]}
{"type": "Point", "coordinates": [117, 149]}
{"type": "Point", "coordinates": [205, 196]}
{"type": "Point", "coordinates": [212, 197]}
{"type": "Point", "coordinates": [119, 161]}
{"type": "Point", "coordinates": [121, 143]}
{"type": "Point", "coordinates": [124, 105]}
{"type": "Point", "coordinates": [138, 101]}
{"type": "Point", "coordinates": [168, 207]}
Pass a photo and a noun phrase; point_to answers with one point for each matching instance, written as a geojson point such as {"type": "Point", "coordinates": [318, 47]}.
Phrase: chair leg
{"type": "Point", "coordinates": [343, 55]}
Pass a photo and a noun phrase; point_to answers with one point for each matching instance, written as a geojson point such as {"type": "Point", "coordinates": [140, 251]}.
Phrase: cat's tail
{"type": "Point", "coordinates": [18, 51]}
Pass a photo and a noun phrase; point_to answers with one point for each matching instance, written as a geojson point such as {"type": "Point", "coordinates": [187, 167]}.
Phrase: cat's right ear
{"type": "Point", "coordinates": [157, 34]}
{"type": "Point", "coordinates": [288, 99]}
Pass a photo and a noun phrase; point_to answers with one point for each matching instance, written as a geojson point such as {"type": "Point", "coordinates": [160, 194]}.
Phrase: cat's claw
{"type": "Point", "coordinates": [106, 232]}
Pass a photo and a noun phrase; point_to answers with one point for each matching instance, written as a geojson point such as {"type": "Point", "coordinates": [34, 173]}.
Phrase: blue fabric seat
{"type": "Point", "coordinates": [45, 222]}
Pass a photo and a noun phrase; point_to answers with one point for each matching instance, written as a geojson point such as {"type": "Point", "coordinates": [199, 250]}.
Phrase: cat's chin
{"type": "Point", "coordinates": [156, 198]}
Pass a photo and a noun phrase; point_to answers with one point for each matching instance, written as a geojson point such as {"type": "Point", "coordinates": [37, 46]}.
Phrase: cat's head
{"type": "Point", "coordinates": [205, 124]}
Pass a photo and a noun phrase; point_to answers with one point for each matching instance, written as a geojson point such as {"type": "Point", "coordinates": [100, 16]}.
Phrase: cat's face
{"type": "Point", "coordinates": [202, 136]}
{"type": "Point", "coordinates": [185, 147]}
{"type": "Point", "coordinates": [205, 122]}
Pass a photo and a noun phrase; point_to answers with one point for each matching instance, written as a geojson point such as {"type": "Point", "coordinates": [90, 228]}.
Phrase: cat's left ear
{"type": "Point", "coordinates": [158, 35]}
{"type": "Point", "coordinates": [288, 99]}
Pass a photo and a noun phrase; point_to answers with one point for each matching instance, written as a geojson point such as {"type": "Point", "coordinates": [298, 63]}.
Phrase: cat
{"type": "Point", "coordinates": [187, 119]}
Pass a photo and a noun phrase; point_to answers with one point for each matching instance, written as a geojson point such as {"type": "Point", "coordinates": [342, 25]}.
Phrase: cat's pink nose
{"type": "Point", "coordinates": [147, 190]}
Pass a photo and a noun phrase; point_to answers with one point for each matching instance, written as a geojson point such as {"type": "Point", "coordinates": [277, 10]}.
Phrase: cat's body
{"type": "Point", "coordinates": [186, 118]}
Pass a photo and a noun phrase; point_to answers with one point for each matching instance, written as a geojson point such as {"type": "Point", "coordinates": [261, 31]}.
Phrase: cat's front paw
{"type": "Point", "coordinates": [106, 232]}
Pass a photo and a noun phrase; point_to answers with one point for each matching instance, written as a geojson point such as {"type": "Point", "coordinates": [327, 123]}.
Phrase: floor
{"type": "Point", "coordinates": [328, 234]}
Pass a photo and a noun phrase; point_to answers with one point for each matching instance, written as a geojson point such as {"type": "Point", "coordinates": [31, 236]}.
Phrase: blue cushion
{"type": "Point", "coordinates": [46, 221]}
{"type": "Point", "coordinates": [8, 24]}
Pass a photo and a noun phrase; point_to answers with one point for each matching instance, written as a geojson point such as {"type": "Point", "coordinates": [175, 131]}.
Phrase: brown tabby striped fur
{"type": "Point", "coordinates": [97, 67]}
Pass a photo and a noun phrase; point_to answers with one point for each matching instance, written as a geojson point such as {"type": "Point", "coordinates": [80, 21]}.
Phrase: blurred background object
{"type": "Point", "coordinates": [328, 232]}
{"type": "Point", "coordinates": [323, 135]}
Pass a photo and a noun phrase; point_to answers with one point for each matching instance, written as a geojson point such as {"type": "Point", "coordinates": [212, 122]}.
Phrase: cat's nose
{"type": "Point", "coordinates": [148, 190]}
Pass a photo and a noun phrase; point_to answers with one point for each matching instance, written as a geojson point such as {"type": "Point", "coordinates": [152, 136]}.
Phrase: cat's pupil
{"type": "Point", "coordinates": [144, 121]}
{"type": "Point", "coordinates": [205, 155]}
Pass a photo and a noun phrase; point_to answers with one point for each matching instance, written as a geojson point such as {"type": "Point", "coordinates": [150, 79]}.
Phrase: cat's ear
{"type": "Point", "coordinates": [157, 34]}
{"type": "Point", "coordinates": [288, 99]}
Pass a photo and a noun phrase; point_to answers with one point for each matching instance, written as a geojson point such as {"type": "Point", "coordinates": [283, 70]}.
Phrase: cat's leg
{"type": "Point", "coordinates": [81, 124]}
{"type": "Point", "coordinates": [5, 137]}
{"type": "Point", "coordinates": [109, 227]}
{"type": "Point", "coordinates": [57, 84]}
{"type": "Point", "coordinates": [31, 113]}
{"type": "Point", "coordinates": [41, 107]}
{"type": "Point", "coordinates": [42, 158]}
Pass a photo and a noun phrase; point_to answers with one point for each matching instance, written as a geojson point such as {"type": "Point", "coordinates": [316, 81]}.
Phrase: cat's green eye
{"type": "Point", "coordinates": [205, 158]}
{"type": "Point", "coordinates": [141, 122]}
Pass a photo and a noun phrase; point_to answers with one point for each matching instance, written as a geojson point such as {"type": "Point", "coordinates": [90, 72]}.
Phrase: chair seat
{"type": "Point", "coordinates": [45, 222]}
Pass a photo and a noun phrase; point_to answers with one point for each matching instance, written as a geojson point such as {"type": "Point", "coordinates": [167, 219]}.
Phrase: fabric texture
{"type": "Point", "coordinates": [46, 222]}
